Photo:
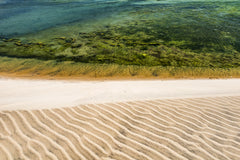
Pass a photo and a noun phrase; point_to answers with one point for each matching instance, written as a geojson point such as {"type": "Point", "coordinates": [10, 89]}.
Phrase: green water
{"type": "Point", "coordinates": [196, 33]}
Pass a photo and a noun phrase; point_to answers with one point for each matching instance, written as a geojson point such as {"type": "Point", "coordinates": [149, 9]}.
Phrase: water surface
{"type": "Point", "coordinates": [123, 31]}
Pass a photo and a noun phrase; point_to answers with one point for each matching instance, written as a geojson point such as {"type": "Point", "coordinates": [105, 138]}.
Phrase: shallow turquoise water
{"type": "Point", "coordinates": [101, 30]}
{"type": "Point", "coordinates": [22, 17]}
{"type": "Point", "coordinates": [27, 16]}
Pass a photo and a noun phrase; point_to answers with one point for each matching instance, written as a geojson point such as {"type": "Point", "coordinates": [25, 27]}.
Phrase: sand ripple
{"type": "Point", "coordinates": [189, 128]}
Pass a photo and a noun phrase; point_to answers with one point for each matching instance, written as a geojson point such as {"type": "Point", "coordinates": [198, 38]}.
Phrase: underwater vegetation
{"type": "Point", "coordinates": [187, 33]}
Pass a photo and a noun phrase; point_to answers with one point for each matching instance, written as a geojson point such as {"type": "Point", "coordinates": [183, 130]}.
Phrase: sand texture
{"type": "Point", "coordinates": [189, 128]}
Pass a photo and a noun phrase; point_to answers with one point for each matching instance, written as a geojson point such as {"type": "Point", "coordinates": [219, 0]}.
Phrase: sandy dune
{"type": "Point", "coordinates": [106, 125]}
{"type": "Point", "coordinates": [190, 128]}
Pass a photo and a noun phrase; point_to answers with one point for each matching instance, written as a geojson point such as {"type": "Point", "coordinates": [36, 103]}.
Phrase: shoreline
{"type": "Point", "coordinates": [39, 69]}
{"type": "Point", "coordinates": [107, 78]}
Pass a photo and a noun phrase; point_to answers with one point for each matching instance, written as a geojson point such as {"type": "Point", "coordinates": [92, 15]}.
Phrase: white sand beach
{"type": "Point", "coordinates": [124, 120]}
{"type": "Point", "coordinates": [39, 94]}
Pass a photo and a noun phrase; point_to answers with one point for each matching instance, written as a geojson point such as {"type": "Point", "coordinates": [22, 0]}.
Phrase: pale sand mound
{"type": "Point", "coordinates": [193, 128]}
{"type": "Point", "coordinates": [44, 94]}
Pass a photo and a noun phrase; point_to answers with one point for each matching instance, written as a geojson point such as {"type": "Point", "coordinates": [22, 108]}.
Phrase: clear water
{"type": "Point", "coordinates": [23, 17]}
{"type": "Point", "coordinates": [18, 17]}
{"type": "Point", "coordinates": [199, 26]}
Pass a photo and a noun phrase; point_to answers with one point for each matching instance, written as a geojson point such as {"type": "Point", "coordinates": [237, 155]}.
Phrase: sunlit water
{"type": "Point", "coordinates": [19, 17]}
{"type": "Point", "coordinates": [22, 17]}
{"type": "Point", "coordinates": [201, 26]}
